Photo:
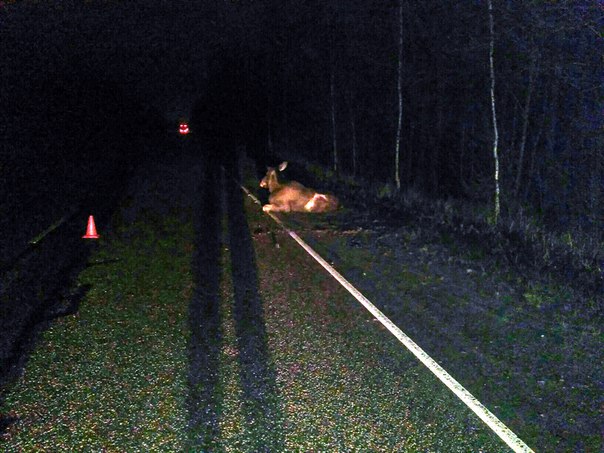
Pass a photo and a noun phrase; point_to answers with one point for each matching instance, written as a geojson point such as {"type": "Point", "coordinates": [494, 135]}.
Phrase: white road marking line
{"type": "Point", "coordinates": [498, 427]}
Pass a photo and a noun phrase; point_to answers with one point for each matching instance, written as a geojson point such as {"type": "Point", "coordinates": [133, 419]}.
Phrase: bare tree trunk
{"type": "Point", "coordinates": [269, 138]}
{"type": "Point", "coordinates": [495, 131]}
{"type": "Point", "coordinates": [333, 121]}
{"type": "Point", "coordinates": [353, 130]}
{"type": "Point", "coordinates": [397, 176]}
{"type": "Point", "coordinates": [462, 149]}
{"type": "Point", "coordinates": [532, 160]}
{"type": "Point", "coordinates": [596, 212]}
{"type": "Point", "coordinates": [332, 91]}
{"type": "Point", "coordinates": [550, 138]}
{"type": "Point", "coordinates": [436, 159]}
{"type": "Point", "coordinates": [514, 124]}
{"type": "Point", "coordinates": [595, 206]}
{"type": "Point", "coordinates": [472, 175]}
{"type": "Point", "coordinates": [525, 120]}
{"type": "Point", "coordinates": [512, 136]}
{"type": "Point", "coordinates": [285, 138]}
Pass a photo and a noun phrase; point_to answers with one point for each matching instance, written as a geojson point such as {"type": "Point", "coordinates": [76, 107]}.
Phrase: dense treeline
{"type": "Point", "coordinates": [322, 79]}
{"type": "Point", "coordinates": [329, 73]}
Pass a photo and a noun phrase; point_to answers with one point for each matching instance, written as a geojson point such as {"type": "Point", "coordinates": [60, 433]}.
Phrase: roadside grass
{"type": "Point", "coordinates": [112, 377]}
{"type": "Point", "coordinates": [531, 355]}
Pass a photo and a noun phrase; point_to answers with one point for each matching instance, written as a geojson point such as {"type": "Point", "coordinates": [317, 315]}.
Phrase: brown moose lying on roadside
{"type": "Point", "coordinates": [293, 196]}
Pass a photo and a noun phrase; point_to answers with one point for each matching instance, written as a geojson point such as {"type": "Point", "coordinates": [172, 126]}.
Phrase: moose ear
{"type": "Point", "coordinates": [282, 166]}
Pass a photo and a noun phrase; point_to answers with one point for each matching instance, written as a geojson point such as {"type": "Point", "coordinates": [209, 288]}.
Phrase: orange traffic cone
{"type": "Point", "coordinates": [91, 230]}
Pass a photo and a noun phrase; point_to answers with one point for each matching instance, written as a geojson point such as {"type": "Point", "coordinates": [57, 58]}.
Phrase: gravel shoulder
{"type": "Point", "coordinates": [530, 352]}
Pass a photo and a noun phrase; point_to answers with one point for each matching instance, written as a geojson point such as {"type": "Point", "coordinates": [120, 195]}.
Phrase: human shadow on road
{"type": "Point", "coordinates": [261, 406]}
{"type": "Point", "coordinates": [204, 311]}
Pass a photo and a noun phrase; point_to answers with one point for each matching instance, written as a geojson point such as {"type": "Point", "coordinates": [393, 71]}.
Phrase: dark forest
{"type": "Point", "coordinates": [475, 124]}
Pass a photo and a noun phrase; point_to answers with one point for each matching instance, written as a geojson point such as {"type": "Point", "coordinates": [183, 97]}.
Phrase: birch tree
{"type": "Point", "coordinates": [332, 90]}
{"type": "Point", "coordinates": [333, 120]}
{"type": "Point", "coordinates": [495, 131]}
{"type": "Point", "coordinates": [397, 176]}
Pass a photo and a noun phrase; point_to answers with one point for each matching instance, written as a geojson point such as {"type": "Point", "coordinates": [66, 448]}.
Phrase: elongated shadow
{"type": "Point", "coordinates": [258, 382]}
{"type": "Point", "coordinates": [204, 313]}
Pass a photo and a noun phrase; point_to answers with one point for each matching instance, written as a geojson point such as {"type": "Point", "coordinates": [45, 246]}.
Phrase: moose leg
{"type": "Point", "coordinates": [276, 207]}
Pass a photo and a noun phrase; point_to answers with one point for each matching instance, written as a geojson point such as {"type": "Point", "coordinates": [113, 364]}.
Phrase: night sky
{"type": "Point", "coordinates": [154, 49]}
